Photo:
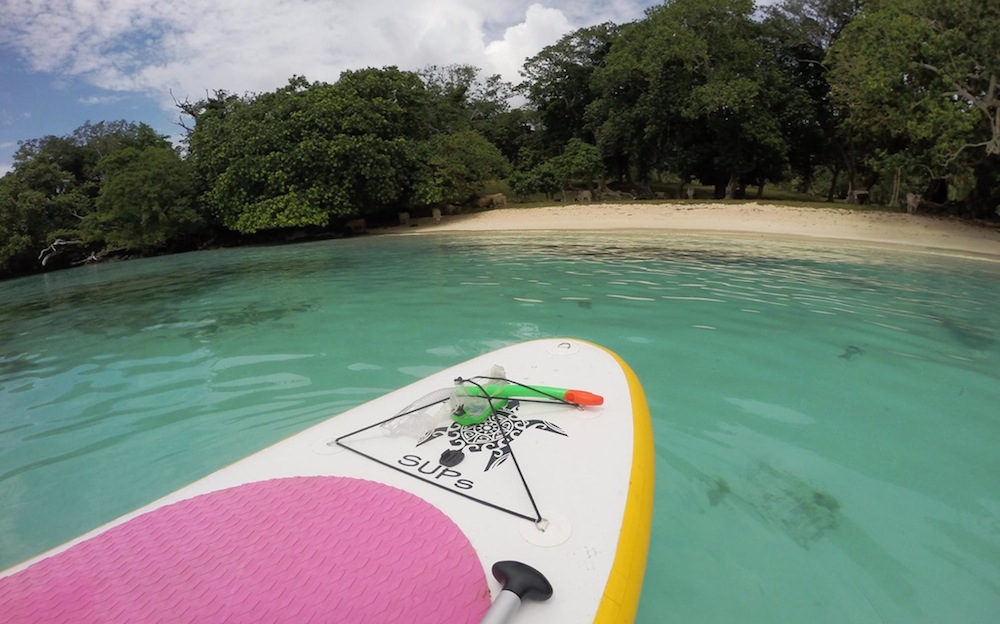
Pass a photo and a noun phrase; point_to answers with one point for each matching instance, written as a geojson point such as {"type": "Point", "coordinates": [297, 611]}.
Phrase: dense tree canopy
{"type": "Point", "coordinates": [920, 80]}
{"type": "Point", "coordinates": [307, 153]}
{"type": "Point", "coordinates": [840, 97]}
{"type": "Point", "coordinates": [376, 141]}
{"type": "Point", "coordinates": [57, 185]}
{"type": "Point", "coordinates": [145, 202]}
{"type": "Point", "coordinates": [559, 83]}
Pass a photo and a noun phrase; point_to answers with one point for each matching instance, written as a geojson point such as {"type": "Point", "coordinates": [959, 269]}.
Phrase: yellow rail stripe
{"type": "Point", "coordinates": [621, 594]}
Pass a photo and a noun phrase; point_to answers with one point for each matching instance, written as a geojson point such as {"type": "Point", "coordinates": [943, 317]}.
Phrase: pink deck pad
{"type": "Point", "coordinates": [302, 549]}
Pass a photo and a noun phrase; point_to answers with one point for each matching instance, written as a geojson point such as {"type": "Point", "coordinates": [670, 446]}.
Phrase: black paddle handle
{"type": "Point", "coordinates": [523, 580]}
{"type": "Point", "coordinates": [519, 581]}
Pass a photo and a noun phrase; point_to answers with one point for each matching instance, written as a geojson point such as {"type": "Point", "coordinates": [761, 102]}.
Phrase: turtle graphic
{"type": "Point", "coordinates": [493, 435]}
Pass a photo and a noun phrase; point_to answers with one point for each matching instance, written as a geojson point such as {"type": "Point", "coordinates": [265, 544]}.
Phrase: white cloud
{"type": "Point", "coordinates": [5, 168]}
{"type": "Point", "coordinates": [191, 47]}
{"type": "Point", "coordinates": [100, 99]}
{"type": "Point", "coordinates": [541, 27]}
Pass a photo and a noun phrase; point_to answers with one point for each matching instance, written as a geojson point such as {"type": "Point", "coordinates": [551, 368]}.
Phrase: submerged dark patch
{"type": "Point", "coordinates": [851, 352]}
{"type": "Point", "coordinates": [784, 501]}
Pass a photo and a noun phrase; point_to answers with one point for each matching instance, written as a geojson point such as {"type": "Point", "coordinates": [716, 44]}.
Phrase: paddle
{"type": "Point", "coordinates": [519, 581]}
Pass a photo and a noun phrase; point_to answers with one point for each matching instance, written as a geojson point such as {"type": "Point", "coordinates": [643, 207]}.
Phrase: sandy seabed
{"type": "Point", "coordinates": [944, 235]}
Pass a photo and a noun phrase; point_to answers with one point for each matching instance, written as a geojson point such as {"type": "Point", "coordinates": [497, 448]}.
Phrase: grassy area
{"type": "Point", "coordinates": [675, 193]}
{"type": "Point", "coordinates": [706, 195]}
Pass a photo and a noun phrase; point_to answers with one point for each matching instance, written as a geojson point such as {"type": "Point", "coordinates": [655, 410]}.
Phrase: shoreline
{"type": "Point", "coordinates": [875, 228]}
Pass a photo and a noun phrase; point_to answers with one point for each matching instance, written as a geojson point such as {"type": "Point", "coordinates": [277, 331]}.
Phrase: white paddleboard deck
{"type": "Point", "coordinates": [566, 490]}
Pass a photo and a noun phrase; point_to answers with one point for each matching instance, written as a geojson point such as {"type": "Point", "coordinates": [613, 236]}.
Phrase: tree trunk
{"type": "Point", "coordinates": [720, 189]}
{"type": "Point", "coordinates": [645, 190]}
{"type": "Point", "coordinates": [984, 200]}
{"type": "Point", "coordinates": [852, 174]}
{"type": "Point", "coordinates": [835, 171]}
{"type": "Point", "coordinates": [895, 187]}
{"type": "Point", "coordinates": [734, 181]}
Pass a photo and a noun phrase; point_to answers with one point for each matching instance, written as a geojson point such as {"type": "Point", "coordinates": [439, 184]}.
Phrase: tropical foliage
{"type": "Point", "coordinates": [840, 98]}
{"type": "Point", "coordinates": [919, 81]}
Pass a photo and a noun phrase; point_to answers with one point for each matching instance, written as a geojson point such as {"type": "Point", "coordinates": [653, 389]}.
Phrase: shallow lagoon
{"type": "Point", "coordinates": [825, 416]}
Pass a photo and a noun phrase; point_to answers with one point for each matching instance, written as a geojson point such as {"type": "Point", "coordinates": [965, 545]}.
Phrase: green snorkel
{"type": "Point", "coordinates": [486, 399]}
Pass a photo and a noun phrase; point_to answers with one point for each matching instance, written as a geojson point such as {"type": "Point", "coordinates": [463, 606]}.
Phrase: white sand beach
{"type": "Point", "coordinates": [873, 227]}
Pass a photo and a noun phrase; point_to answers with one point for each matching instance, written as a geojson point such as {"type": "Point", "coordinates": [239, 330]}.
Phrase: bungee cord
{"type": "Point", "coordinates": [543, 396]}
{"type": "Point", "coordinates": [507, 441]}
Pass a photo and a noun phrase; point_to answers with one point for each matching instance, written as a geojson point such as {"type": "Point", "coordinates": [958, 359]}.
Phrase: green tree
{"type": "Point", "coordinates": [309, 153]}
{"type": "Point", "coordinates": [921, 79]}
{"type": "Point", "coordinates": [451, 89]}
{"type": "Point", "coordinates": [814, 23]}
{"type": "Point", "coordinates": [460, 162]}
{"type": "Point", "coordinates": [542, 178]}
{"type": "Point", "coordinates": [635, 109]}
{"type": "Point", "coordinates": [460, 99]}
{"type": "Point", "coordinates": [54, 187]}
{"type": "Point", "coordinates": [558, 84]}
{"type": "Point", "coordinates": [578, 161]}
{"type": "Point", "coordinates": [19, 231]}
{"type": "Point", "coordinates": [145, 203]}
{"type": "Point", "coordinates": [207, 133]}
{"type": "Point", "coordinates": [797, 35]}
{"type": "Point", "coordinates": [700, 91]}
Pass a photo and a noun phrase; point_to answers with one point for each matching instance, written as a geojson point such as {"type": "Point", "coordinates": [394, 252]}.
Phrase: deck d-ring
{"type": "Point", "coordinates": [564, 347]}
{"type": "Point", "coordinates": [327, 447]}
{"type": "Point", "coordinates": [555, 530]}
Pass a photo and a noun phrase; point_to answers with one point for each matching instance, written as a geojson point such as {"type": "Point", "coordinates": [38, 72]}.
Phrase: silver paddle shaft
{"type": "Point", "coordinates": [503, 608]}
{"type": "Point", "coordinates": [518, 581]}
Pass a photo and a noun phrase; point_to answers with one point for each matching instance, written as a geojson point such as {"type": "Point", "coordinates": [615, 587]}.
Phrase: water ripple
{"type": "Point", "coordinates": [824, 416]}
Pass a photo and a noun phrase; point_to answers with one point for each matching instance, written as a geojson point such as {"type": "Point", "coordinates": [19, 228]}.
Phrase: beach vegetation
{"type": "Point", "coordinates": [312, 153]}
{"type": "Point", "coordinates": [460, 164]}
{"type": "Point", "coordinates": [579, 160]}
{"type": "Point", "coordinates": [559, 86]}
{"type": "Point", "coordinates": [893, 103]}
{"type": "Point", "coordinates": [53, 193]}
{"type": "Point", "coordinates": [919, 82]}
{"type": "Point", "coordinates": [704, 100]}
{"type": "Point", "coordinates": [145, 202]}
{"type": "Point", "coordinates": [541, 179]}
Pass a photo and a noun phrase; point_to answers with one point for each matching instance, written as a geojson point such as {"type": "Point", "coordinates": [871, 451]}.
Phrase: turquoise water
{"type": "Point", "coordinates": [826, 418]}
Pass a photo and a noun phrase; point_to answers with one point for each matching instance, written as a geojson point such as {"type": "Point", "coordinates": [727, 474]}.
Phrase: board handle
{"type": "Point", "coordinates": [519, 581]}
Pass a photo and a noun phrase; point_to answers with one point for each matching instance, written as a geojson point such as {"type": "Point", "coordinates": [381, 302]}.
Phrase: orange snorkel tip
{"type": "Point", "coordinates": [582, 397]}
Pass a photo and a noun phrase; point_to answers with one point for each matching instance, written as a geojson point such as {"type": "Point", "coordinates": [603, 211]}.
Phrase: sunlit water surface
{"type": "Point", "coordinates": [826, 418]}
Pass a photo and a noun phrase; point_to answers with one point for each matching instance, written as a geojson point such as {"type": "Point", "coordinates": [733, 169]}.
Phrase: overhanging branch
{"type": "Point", "coordinates": [987, 103]}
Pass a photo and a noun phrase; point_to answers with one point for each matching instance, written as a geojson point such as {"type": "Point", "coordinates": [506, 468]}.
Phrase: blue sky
{"type": "Point", "coordinates": [34, 104]}
{"type": "Point", "coordinates": [64, 62]}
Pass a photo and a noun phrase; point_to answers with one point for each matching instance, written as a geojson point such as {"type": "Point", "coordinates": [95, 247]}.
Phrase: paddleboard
{"type": "Point", "coordinates": [517, 486]}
